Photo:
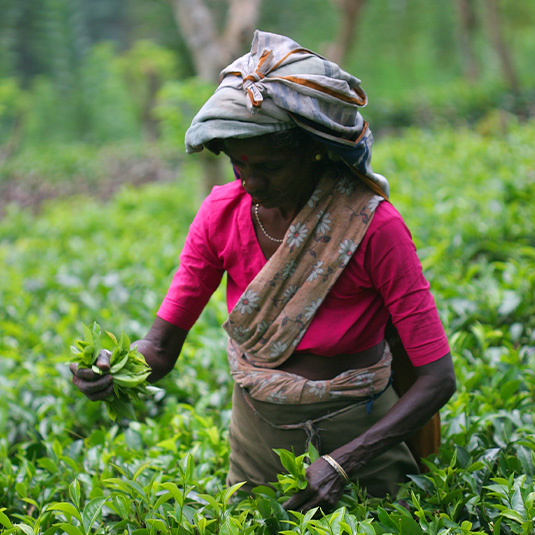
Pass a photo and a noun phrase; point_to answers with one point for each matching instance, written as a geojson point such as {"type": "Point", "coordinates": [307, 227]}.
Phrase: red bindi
{"type": "Point", "coordinates": [244, 158]}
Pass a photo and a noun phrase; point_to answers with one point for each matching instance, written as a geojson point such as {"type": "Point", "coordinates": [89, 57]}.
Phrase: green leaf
{"type": "Point", "coordinates": [125, 342]}
{"type": "Point", "coordinates": [70, 528]}
{"type": "Point", "coordinates": [121, 408]}
{"type": "Point", "coordinates": [410, 526]}
{"type": "Point", "coordinates": [75, 493]}
{"type": "Point", "coordinates": [4, 520]}
{"type": "Point", "coordinates": [510, 389]}
{"type": "Point", "coordinates": [309, 515]}
{"type": "Point", "coordinates": [28, 530]}
{"type": "Point", "coordinates": [88, 335]}
{"type": "Point", "coordinates": [140, 470]}
{"type": "Point", "coordinates": [212, 502]}
{"type": "Point", "coordinates": [48, 464]}
{"type": "Point", "coordinates": [162, 499]}
{"type": "Point", "coordinates": [387, 521]}
{"type": "Point", "coordinates": [313, 453]}
{"type": "Point", "coordinates": [66, 507]}
{"type": "Point", "coordinates": [119, 365]}
{"type": "Point", "coordinates": [92, 511]}
{"type": "Point", "coordinates": [173, 489]}
{"type": "Point", "coordinates": [121, 505]}
{"type": "Point", "coordinates": [513, 515]}
{"type": "Point", "coordinates": [112, 337]}
{"type": "Point", "coordinates": [231, 490]}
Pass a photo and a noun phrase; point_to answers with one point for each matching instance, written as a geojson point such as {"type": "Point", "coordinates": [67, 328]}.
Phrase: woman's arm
{"type": "Point", "coordinates": [434, 386]}
{"type": "Point", "coordinates": [160, 347]}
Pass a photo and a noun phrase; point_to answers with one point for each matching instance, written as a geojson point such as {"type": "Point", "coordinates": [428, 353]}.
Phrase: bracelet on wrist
{"type": "Point", "coordinates": [337, 468]}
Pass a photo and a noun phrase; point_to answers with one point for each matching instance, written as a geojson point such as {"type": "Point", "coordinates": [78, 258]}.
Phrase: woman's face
{"type": "Point", "coordinates": [274, 176]}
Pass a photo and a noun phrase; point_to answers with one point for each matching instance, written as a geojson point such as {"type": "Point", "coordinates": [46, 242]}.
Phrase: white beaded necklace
{"type": "Point", "coordinates": [262, 226]}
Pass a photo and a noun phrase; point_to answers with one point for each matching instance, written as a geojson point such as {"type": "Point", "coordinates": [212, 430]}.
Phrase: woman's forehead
{"type": "Point", "coordinates": [254, 148]}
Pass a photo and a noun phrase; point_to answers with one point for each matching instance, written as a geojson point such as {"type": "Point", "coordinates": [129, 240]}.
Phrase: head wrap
{"type": "Point", "coordinates": [279, 85]}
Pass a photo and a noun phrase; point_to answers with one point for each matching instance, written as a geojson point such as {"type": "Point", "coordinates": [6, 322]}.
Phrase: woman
{"type": "Point", "coordinates": [317, 262]}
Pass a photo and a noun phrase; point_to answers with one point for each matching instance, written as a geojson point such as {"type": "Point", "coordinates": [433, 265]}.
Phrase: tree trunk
{"type": "Point", "coordinates": [467, 26]}
{"type": "Point", "coordinates": [212, 51]}
{"type": "Point", "coordinates": [349, 11]}
{"type": "Point", "coordinates": [496, 36]}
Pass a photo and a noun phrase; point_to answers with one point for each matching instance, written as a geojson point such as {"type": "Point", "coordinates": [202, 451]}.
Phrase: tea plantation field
{"type": "Point", "coordinates": [65, 467]}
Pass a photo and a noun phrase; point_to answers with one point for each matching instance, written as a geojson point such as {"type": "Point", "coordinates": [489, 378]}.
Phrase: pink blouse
{"type": "Point", "coordinates": [384, 278]}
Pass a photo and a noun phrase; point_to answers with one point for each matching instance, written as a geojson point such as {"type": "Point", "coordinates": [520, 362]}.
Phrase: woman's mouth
{"type": "Point", "coordinates": [260, 199]}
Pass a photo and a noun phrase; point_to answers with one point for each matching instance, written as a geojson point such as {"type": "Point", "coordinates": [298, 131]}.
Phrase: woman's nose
{"type": "Point", "coordinates": [250, 180]}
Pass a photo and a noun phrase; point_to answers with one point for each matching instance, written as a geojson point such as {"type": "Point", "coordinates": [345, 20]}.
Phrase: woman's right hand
{"type": "Point", "coordinates": [94, 386]}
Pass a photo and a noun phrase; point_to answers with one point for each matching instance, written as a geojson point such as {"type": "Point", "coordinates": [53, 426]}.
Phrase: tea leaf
{"type": "Point", "coordinates": [67, 508]}
{"type": "Point", "coordinates": [92, 511]}
{"type": "Point", "coordinates": [75, 493]}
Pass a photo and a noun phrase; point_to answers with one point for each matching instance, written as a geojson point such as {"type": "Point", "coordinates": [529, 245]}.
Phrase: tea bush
{"type": "Point", "coordinates": [65, 468]}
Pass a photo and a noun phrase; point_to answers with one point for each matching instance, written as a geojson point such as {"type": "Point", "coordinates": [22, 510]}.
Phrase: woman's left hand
{"type": "Point", "coordinates": [324, 489]}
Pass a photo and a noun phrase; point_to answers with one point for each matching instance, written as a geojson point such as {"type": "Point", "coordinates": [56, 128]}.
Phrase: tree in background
{"type": "Point", "coordinates": [349, 19]}
{"type": "Point", "coordinates": [468, 26]}
{"type": "Point", "coordinates": [211, 49]}
{"type": "Point", "coordinates": [467, 29]}
{"type": "Point", "coordinates": [495, 20]}
{"type": "Point", "coordinates": [60, 83]}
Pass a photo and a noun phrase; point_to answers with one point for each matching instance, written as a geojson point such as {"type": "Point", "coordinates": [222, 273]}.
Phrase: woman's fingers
{"type": "Point", "coordinates": [103, 360]}
{"type": "Point", "coordinates": [297, 501]}
{"type": "Point", "coordinates": [97, 390]}
{"type": "Point", "coordinates": [324, 489]}
{"type": "Point", "coordinates": [94, 386]}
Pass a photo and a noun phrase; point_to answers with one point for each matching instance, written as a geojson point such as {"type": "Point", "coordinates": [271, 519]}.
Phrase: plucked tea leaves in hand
{"type": "Point", "coordinates": [127, 366]}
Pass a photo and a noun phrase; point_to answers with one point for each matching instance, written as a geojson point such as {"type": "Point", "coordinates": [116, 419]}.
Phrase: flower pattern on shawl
{"type": "Point", "coordinates": [289, 269]}
{"type": "Point", "coordinates": [248, 302]}
{"type": "Point", "coordinates": [289, 293]}
{"type": "Point", "coordinates": [296, 235]}
{"type": "Point", "coordinates": [316, 389]}
{"type": "Point", "coordinates": [345, 186]}
{"type": "Point", "coordinates": [317, 270]}
{"type": "Point", "coordinates": [240, 332]}
{"type": "Point", "coordinates": [324, 222]}
{"type": "Point", "coordinates": [262, 327]}
{"type": "Point", "coordinates": [277, 396]}
{"type": "Point", "coordinates": [311, 309]}
{"type": "Point", "coordinates": [314, 198]}
{"type": "Point", "coordinates": [278, 348]}
{"type": "Point", "coordinates": [346, 250]}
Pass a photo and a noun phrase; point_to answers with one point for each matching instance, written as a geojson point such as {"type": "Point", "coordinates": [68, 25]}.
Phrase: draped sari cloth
{"type": "Point", "coordinates": [277, 307]}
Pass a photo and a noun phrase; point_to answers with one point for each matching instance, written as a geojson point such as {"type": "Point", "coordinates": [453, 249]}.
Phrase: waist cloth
{"type": "Point", "coordinates": [259, 427]}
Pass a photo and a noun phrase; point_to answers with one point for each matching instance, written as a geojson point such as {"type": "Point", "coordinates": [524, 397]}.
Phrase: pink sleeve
{"type": "Point", "coordinates": [396, 272]}
{"type": "Point", "coordinates": [197, 277]}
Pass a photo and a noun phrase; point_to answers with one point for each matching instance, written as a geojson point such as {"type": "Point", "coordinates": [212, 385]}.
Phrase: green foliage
{"type": "Point", "coordinates": [64, 468]}
{"type": "Point", "coordinates": [146, 67]}
{"type": "Point", "coordinates": [294, 479]}
{"type": "Point", "coordinates": [178, 102]}
{"type": "Point", "coordinates": [127, 367]}
{"type": "Point", "coordinates": [12, 106]}
{"type": "Point", "coordinates": [92, 70]}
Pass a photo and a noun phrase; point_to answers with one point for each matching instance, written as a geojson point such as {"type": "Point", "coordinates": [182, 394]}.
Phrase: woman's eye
{"type": "Point", "coordinates": [272, 166]}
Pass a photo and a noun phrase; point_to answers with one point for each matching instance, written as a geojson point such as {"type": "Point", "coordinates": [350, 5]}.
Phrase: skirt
{"type": "Point", "coordinates": [259, 427]}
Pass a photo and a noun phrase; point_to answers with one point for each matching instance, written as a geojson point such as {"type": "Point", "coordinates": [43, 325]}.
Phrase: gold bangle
{"type": "Point", "coordinates": [339, 470]}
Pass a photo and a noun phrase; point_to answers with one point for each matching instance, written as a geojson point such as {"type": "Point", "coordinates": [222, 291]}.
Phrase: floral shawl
{"type": "Point", "coordinates": [272, 315]}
